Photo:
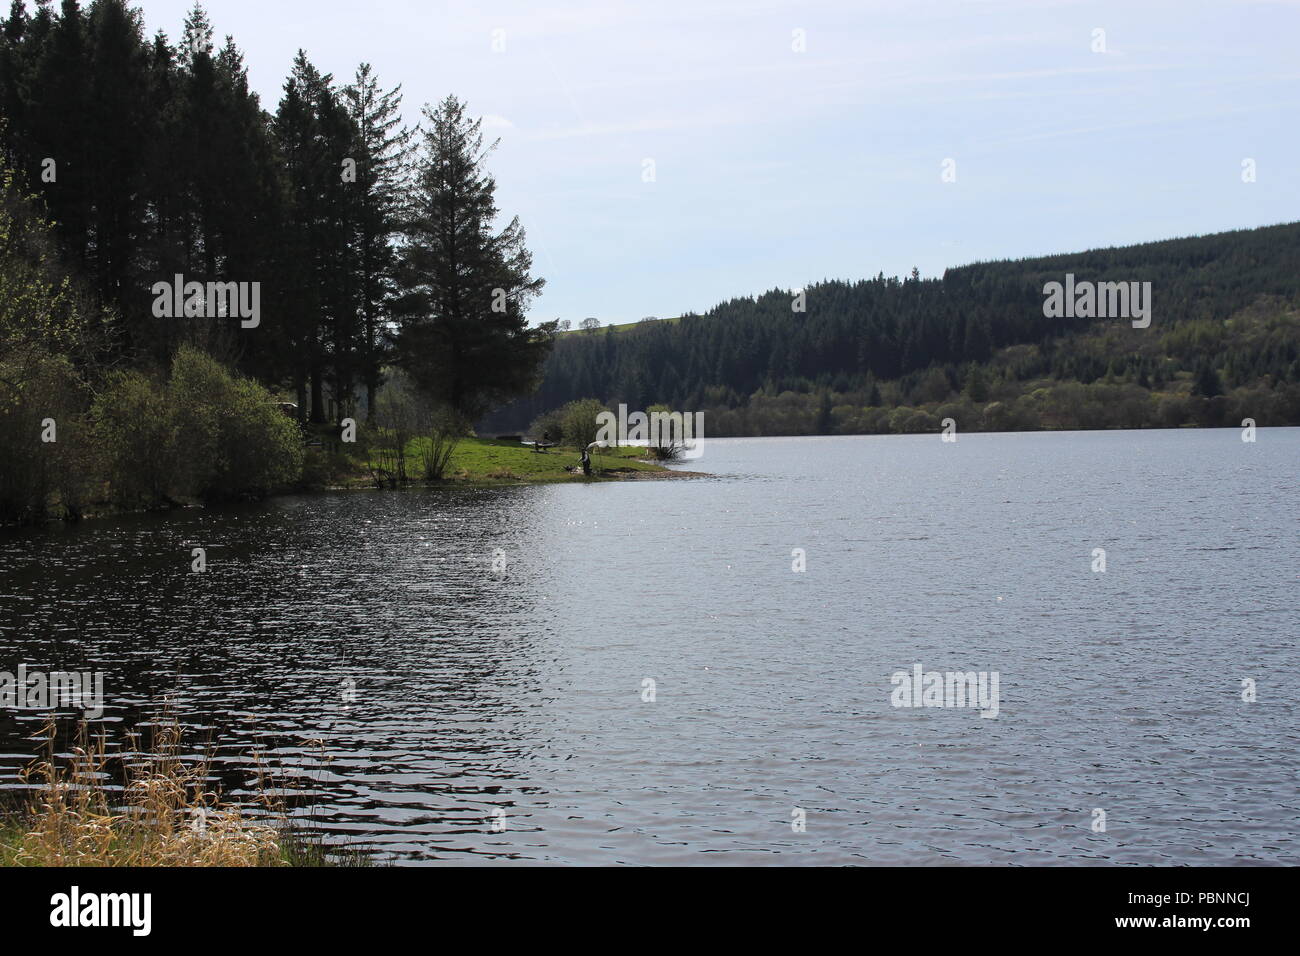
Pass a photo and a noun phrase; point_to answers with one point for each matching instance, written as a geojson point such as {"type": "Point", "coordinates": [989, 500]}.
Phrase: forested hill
{"type": "Point", "coordinates": [886, 354]}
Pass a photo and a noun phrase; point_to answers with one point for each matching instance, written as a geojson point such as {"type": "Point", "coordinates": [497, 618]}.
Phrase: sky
{"type": "Point", "coordinates": [667, 156]}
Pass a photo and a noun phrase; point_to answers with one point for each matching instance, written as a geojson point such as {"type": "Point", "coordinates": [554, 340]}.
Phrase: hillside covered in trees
{"type": "Point", "coordinates": [891, 355]}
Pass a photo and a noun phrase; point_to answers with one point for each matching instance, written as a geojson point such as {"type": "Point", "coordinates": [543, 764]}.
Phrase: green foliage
{"type": "Point", "coordinates": [443, 431]}
{"type": "Point", "coordinates": [404, 412]}
{"type": "Point", "coordinates": [573, 425]}
{"type": "Point", "coordinates": [231, 440]}
{"type": "Point", "coordinates": [977, 389]}
{"type": "Point", "coordinates": [42, 394]}
{"type": "Point", "coordinates": [207, 434]}
{"type": "Point", "coordinates": [1206, 383]}
{"type": "Point", "coordinates": [37, 305]}
{"type": "Point", "coordinates": [45, 438]}
{"type": "Point", "coordinates": [580, 426]}
{"type": "Point", "coordinates": [136, 431]}
{"type": "Point", "coordinates": [167, 163]}
{"type": "Point", "coordinates": [548, 427]}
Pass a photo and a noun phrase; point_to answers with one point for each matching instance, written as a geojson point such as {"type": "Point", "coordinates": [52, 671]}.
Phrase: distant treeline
{"type": "Point", "coordinates": [886, 354]}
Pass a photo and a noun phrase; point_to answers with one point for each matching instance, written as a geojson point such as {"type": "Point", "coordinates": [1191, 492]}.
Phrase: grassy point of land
{"type": "Point", "coordinates": [486, 461]}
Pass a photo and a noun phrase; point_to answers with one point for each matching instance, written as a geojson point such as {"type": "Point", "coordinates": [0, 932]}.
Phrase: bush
{"type": "Point", "coordinates": [572, 424]}
{"type": "Point", "coordinates": [318, 468]}
{"type": "Point", "coordinates": [966, 414]}
{"type": "Point", "coordinates": [42, 396]}
{"type": "Point", "coordinates": [231, 440]}
{"type": "Point", "coordinates": [195, 394]}
{"type": "Point", "coordinates": [443, 429]}
{"type": "Point", "coordinates": [580, 425]}
{"type": "Point", "coordinates": [208, 434]}
{"type": "Point", "coordinates": [548, 427]}
{"type": "Point", "coordinates": [671, 434]}
{"type": "Point", "coordinates": [410, 421]}
{"type": "Point", "coordinates": [135, 432]}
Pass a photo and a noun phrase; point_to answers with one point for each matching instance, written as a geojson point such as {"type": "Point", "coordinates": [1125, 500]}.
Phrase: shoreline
{"type": "Point", "coordinates": [486, 463]}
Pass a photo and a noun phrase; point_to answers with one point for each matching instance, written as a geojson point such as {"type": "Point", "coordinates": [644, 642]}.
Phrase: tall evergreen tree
{"type": "Point", "coordinates": [1206, 383]}
{"type": "Point", "coordinates": [381, 180]}
{"type": "Point", "coordinates": [304, 166]}
{"type": "Point", "coordinates": [320, 301]}
{"type": "Point", "coordinates": [59, 112]}
{"type": "Point", "coordinates": [122, 131]}
{"type": "Point", "coordinates": [464, 335]}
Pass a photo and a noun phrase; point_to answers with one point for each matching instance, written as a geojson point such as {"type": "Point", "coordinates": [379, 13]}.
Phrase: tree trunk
{"type": "Point", "coordinates": [317, 397]}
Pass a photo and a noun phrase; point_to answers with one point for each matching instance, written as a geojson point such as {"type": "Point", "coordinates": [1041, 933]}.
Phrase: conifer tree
{"type": "Point", "coordinates": [464, 335]}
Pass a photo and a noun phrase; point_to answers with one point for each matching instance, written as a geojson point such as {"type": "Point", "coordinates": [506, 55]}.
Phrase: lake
{"type": "Point", "coordinates": [464, 675]}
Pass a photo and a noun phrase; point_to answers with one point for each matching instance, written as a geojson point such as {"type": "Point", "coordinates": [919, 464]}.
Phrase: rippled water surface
{"type": "Point", "coordinates": [522, 689]}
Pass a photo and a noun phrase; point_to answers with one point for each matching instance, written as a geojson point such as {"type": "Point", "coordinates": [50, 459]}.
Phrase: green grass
{"type": "Point", "coordinates": [481, 459]}
{"type": "Point", "coordinates": [489, 462]}
{"type": "Point", "coordinates": [11, 839]}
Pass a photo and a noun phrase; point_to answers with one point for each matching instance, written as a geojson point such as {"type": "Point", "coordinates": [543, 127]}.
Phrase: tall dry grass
{"type": "Point", "coordinates": [149, 805]}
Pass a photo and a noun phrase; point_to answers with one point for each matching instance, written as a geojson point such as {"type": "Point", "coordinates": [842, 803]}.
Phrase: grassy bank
{"type": "Point", "coordinates": [483, 461]}
{"type": "Point", "coordinates": [475, 461]}
{"type": "Point", "coordinates": [486, 461]}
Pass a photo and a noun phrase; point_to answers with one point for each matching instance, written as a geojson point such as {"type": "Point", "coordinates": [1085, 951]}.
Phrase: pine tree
{"type": "Point", "coordinates": [464, 336]}
{"type": "Point", "coordinates": [381, 180]}
{"type": "Point", "coordinates": [12, 69]}
{"type": "Point", "coordinates": [59, 113]}
{"type": "Point", "coordinates": [1207, 383]}
{"type": "Point", "coordinates": [317, 310]}
{"type": "Point", "coordinates": [977, 388]}
{"type": "Point", "coordinates": [824, 421]}
{"type": "Point", "coordinates": [122, 131]}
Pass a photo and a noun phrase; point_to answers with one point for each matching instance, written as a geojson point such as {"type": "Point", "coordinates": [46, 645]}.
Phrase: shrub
{"type": "Point", "coordinates": [905, 420]}
{"type": "Point", "coordinates": [580, 425]}
{"type": "Point", "coordinates": [41, 395]}
{"type": "Point", "coordinates": [548, 427]}
{"type": "Point", "coordinates": [208, 434]}
{"type": "Point", "coordinates": [196, 393]}
{"type": "Point", "coordinates": [671, 434]}
{"type": "Point", "coordinates": [444, 430]}
{"type": "Point", "coordinates": [135, 431]}
{"type": "Point", "coordinates": [263, 448]}
{"type": "Point", "coordinates": [230, 439]}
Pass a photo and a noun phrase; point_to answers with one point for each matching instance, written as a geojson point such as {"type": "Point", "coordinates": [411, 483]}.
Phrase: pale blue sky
{"type": "Point", "coordinates": [776, 168]}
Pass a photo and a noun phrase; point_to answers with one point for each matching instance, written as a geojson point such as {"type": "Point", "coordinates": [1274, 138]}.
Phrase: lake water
{"type": "Point", "coordinates": [441, 690]}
